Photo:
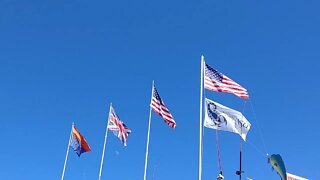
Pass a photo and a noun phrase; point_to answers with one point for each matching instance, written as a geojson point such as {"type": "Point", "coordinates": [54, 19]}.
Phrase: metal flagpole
{"type": "Point", "coordinates": [66, 159]}
{"type": "Point", "coordinates": [200, 120]}
{"type": "Point", "coordinates": [240, 168]}
{"type": "Point", "coordinates": [239, 173]}
{"type": "Point", "coordinates": [148, 138]}
{"type": "Point", "coordinates": [104, 145]}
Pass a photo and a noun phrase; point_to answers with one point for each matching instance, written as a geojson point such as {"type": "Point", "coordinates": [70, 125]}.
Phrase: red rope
{"type": "Point", "coordinates": [218, 150]}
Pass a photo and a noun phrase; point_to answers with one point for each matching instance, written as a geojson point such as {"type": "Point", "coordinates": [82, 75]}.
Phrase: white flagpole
{"type": "Point", "coordinates": [147, 148]}
{"type": "Point", "coordinates": [200, 120]}
{"type": "Point", "coordinates": [66, 159]}
{"type": "Point", "coordinates": [104, 145]}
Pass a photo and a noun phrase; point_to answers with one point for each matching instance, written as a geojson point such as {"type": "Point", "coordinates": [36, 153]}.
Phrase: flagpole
{"type": "Point", "coordinates": [239, 173]}
{"type": "Point", "coordinates": [66, 159]}
{"type": "Point", "coordinates": [148, 137]}
{"type": "Point", "coordinates": [240, 169]}
{"type": "Point", "coordinates": [200, 120]}
{"type": "Point", "coordinates": [240, 166]}
{"type": "Point", "coordinates": [104, 145]}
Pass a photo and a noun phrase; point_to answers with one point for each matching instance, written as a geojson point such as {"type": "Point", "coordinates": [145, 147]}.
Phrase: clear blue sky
{"type": "Point", "coordinates": [65, 61]}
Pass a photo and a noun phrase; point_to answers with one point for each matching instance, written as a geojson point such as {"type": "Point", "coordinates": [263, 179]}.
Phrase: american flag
{"type": "Point", "coordinates": [160, 108]}
{"type": "Point", "coordinates": [216, 81]}
{"type": "Point", "coordinates": [118, 127]}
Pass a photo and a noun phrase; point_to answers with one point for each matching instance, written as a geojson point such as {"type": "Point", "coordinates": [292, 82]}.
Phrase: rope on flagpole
{"type": "Point", "coordinates": [256, 148]}
{"type": "Point", "coordinates": [218, 150]}
{"type": "Point", "coordinates": [239, 173]}
{"type": "Point", "coordinates": [257, 122]}
{"type": "Point", "coordinates": [154, 171]}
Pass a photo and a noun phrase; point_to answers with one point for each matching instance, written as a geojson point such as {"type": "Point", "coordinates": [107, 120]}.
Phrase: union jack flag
{"type": "Point", "coordinates": [160, 108]}
{"type": "Point", "coordinates": [118, 127]}
{"type": "Point", "coordinates": [216, 81]}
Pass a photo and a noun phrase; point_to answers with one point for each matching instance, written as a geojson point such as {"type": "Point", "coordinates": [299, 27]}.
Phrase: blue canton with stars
{"type": "Point", "coordinates": [213, 74]}
{"type": "Point", "coordinates": [156, 94]}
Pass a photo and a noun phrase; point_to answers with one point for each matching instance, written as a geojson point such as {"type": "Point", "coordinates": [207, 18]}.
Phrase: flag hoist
{"type": "Point", "coordinates": [160, 108]}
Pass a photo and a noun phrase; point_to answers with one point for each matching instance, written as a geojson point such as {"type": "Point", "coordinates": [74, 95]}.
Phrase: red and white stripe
{"type": "Point", "coordinates": [159, 107]}
{"type": "Point", "coordinates": [227, 85]}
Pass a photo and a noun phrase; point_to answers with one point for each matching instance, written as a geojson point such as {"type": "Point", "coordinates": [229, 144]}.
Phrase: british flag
{"type": "Point", "coordinates": [118, 127]}
{"type": "Point", "coordinates": [160, 108]}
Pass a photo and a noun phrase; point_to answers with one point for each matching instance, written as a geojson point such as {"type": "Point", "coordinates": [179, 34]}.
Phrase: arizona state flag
{"type": "Point", "coordinates": [78, 143]}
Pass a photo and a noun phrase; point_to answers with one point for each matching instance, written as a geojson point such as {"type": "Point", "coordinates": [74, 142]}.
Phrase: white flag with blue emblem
{"type": "Point", "coordinates": [223, 118]}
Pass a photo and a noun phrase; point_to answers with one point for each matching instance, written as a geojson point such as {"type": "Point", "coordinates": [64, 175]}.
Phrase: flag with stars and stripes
{"type": "Point", "coordinates": [216, 81]}
{"type": "Point", "coordinates": [118, 127]}
{"type": "Point", "coordinates": [160, 108]}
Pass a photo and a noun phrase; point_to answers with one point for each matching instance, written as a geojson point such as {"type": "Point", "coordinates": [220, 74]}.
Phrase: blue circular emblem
{"type": "Point", "coordinates": [217, 118]}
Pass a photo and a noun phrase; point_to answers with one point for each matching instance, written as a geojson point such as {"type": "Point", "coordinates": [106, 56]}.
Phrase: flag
{"type": "Point", "coordinates": [118, 127]}
{"type": "Point", "coordinates": [294, 177]}
{"type": "Point", "coordinates": [78, 143]}
{"type": "Point", "coordinates": [216, 81]}
{"type": "Point", "coordinates": [223, 118]}
{"type": "Point", "coordinates": [160, 108]}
